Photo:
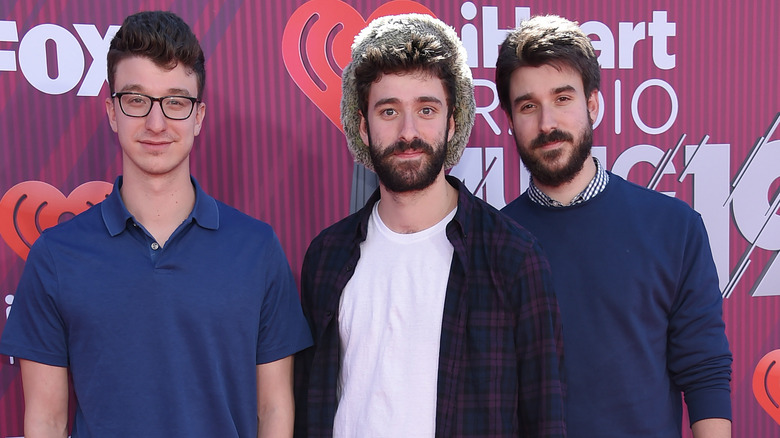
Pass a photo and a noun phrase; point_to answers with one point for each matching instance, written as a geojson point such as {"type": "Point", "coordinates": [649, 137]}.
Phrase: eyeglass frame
{"type": "Point", "coordinates": [159, 100]}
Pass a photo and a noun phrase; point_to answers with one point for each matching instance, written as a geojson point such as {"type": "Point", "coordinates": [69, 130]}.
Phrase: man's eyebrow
{"type": "Point", "coordinates": [395, 100]}
{"type": "Point", "coordinates": [386, 101]}
{"type": "Point", "coordinates": [178, 92]}
{"type": "Point", "coordinates": [432, 99]}
{"type": "Point", "coordinates": [132, 88]}
{"type": "Point", "coordinates": [518, 99]}
{"type": "Point", "coordinates": [557, 90]}
{"type": "Point", "coordinates": [137, 88]}
{"type": "Point", "coordinates": [564, 89]}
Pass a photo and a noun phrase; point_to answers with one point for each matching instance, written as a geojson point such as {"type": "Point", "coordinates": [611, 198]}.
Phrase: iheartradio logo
{"type": "Point", "coordinates": [30, 207]}
{"type": "Point", "coordinates": [766, 384]}
{"type": "Point", "coordinates": [316, 46]}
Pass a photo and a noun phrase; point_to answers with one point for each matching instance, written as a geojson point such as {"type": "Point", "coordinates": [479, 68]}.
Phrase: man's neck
{"type": "Point", "coordinates": [566, 192]}
{"type": "Point", "coordinates": [411, 212]}
{"type": "Point", "coordinates": [160, 204]}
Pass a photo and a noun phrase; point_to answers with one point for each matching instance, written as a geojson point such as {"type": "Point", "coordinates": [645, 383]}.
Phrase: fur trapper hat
{"type": "Point", "coordinates": [392, 36]}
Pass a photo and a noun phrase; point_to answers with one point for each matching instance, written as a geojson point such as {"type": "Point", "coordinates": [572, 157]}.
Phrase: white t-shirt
{"type": "Point", "coordinates": [390, 317]}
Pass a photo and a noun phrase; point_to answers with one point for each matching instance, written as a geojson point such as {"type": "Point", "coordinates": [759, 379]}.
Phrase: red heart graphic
{"type": "Point", "coordinates": [766, 384]}
{"type": "Point", "coordinates": [317, 42]}
{"type": "Point", "coordinates": [30, 207]}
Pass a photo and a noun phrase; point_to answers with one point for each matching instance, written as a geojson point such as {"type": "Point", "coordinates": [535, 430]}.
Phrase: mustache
{"type": "Point", "coordinates": [551, 137]}
{"type": "Point", "coordinates": [402, 146]}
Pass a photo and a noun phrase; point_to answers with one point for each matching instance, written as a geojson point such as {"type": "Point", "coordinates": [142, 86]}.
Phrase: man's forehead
{"type": "Point", "coordinates": [545, 79]}
{"type": "Point", "coordinates": [142, 74]}
{"type": "Point", "coordinates": [414, 86]}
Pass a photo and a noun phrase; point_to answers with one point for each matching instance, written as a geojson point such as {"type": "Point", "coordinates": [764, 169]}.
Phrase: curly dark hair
{"type": "Point", "coordinates": [160, 36]}
{"type": "Point", "coordinates": [422, 53]}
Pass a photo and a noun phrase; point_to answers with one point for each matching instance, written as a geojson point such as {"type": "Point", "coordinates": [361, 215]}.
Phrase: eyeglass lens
{"type": "Point", "coordinates": [173, 107]}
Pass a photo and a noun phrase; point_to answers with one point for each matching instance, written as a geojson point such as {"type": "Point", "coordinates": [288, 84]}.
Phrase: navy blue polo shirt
{"type": "Point", "coordinates": [161, 341]}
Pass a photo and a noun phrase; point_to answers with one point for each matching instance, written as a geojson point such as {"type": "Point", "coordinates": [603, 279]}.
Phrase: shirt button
{"type": "Point", "coordinates": [155, 246]}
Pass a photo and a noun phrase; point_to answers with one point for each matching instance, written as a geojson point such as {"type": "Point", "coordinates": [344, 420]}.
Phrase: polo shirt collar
{"type": "Point", "coordinates": [115, 215]}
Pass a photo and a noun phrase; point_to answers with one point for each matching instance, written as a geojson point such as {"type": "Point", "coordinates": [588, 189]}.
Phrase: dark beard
{"type": "Point", "coordinates": [408, 176]}
{"type": "Point", "coordinates": [557, 177]}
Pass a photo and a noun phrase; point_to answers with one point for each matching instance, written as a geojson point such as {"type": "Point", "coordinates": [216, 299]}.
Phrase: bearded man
{"type": "Point", "coordinates": [432, 313]}
{"type": "Point", "coordinates": [632, 268]}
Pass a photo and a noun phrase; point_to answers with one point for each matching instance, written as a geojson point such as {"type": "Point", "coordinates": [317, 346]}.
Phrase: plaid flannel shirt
{"type": "Point", "coordinates": [501, 357]}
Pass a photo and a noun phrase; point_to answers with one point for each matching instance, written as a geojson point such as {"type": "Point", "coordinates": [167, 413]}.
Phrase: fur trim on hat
{"type": "Point", "coordinates": [394, 32]}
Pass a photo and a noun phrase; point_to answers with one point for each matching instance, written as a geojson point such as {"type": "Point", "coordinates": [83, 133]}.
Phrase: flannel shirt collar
{"type": "Point", "coordinates": [460, 221]}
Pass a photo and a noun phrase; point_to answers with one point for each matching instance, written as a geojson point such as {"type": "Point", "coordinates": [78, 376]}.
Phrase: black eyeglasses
{"type": "Point", "coordinates": [140, 105]}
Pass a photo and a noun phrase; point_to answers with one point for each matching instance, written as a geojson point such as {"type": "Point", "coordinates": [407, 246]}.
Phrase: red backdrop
{"type": "Point", "coordinates": [690, 107]}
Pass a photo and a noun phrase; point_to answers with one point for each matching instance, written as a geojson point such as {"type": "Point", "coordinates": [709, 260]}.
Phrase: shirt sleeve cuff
{"type": "Point", "coordinates": [710, 403]}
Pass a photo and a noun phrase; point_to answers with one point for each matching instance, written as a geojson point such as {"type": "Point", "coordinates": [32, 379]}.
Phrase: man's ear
{"type": "Point", "coordinates": [200, 114]}
{"type": "Point", "coordinates": [593, 105]}
{"type": "Point", "coordinates": [111, 112]}
{"type": "Point", "coordinates": [451, 127]}
{"type": "Point", "coordinates": [363, 128]}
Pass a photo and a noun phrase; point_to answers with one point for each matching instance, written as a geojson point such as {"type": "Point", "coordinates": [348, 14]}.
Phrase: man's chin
{"type": "Point", "coordinates": [554, 181]}
{"type": "Point", "coordinates": [408, 180]}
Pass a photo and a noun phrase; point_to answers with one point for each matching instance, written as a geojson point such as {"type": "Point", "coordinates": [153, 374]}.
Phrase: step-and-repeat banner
{"type": "Point", "coordinates": [690, 106]}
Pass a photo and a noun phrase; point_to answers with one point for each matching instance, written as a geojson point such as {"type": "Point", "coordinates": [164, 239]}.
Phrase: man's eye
{"type": "Point", "coordinates": [174, 102]}
{"type": "Point", "coordinates": [527, 107]}
{"type": "Point", "coordinates": [388, 112]}
{"type": "Point", "coordinates": [136, 100]}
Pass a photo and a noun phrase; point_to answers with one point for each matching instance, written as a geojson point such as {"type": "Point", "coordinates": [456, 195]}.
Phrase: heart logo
{"type": "Point", "coordinates": [30, 207]}
{"type": "Point", "coordinates": [316, 46]}
{"type": "Point", "coordinates": [766, 384]}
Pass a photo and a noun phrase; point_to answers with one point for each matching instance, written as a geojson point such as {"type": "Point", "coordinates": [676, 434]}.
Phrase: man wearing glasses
{"type": "Point", "coordinates": [175, 314]}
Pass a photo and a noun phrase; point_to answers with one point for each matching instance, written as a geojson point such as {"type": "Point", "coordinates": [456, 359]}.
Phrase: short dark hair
{"type": "Point", "coordinates": [423, 53]}
{"type": "Point", "coordinates": [546, 40]}
{"type": "Point", "coordinates": [160, 36]}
